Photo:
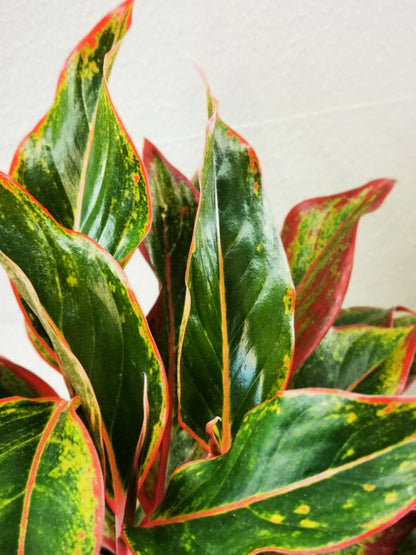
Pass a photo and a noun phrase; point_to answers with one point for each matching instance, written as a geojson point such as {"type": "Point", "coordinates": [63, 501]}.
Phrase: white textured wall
{"type": "Point", "coordinates": [325, 92]}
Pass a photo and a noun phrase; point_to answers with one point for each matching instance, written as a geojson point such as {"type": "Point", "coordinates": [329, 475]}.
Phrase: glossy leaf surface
{"type": "Point", "coordinates": [365, 359]}
{"type": "Point", "coordinates": [236, 344]}
{"type": "Point", "coordinates": [16, 380]}
{"type": "Point", "coordinates": [174, 203]}
{"type": "Point", "coordinates": [81, 297]}
{"type": "Point", "coordinates": [319, 238]}
{"type": "Point", "coordinates": [79, 162]}
{"type": "Point", "coordinates": [286, 477]}
{"type": "Point", "coordinates": [51, 487]}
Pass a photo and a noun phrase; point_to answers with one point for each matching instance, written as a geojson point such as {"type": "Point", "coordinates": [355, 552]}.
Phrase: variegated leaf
{"type": "Point", "coordinates": [81, 297]}
{"type": "Point", "coordinates": [236, 343]}
{"type": "Point", "coordinates": [309, 472]}
{"type": "Point", "coordinates": [365, 359]}
{"type": "Point", "coordinates": [319, 238]}
{"type": "Point", "coordinates": [51, 486]}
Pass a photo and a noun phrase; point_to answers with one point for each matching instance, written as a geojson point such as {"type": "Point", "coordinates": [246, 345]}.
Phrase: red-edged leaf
{"type": "Point", "coordinates": [52, 494]}
{"type": "Point", "coordinates": [16, 380]}
{"type": "Point", "coordinates": [371, 316]}
{"type": "Point", "coordinates": [79, 162]}
{"type": "Point", "coordinates": [319, 238]}
{"type": "Point", "coordinates": [365, 359]}
{"type": "Point", "coordinates": [236, 343]}
{"type": "Point", "coordinates": [174, 203]}
{"type": "Point", "coordinates": [308, 472]}
{"type": "Point", "coordinates": [81, 297]}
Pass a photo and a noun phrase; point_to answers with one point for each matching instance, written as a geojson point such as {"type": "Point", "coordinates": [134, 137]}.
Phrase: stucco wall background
{"type": "Point", "coordinates": [324, 91]}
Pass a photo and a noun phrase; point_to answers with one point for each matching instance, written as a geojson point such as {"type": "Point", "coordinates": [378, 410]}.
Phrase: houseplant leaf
{"type": "Point", "coordinates": [81, 297]}
{"type": "Point", "coordinates": [16, 380]}
{"type": "Point", "coordinates": [174, 203]}
{"type": "Point", "coordinates": [79, 162]}
{"type": "Point", "coordinates": [372, 316]}
{"type": "Point", "coordinates": [236, 344]}
{"type": "Point", "coordinates": [365, 359]}
{"type": "Point", "coordinates": [49, 474]}
{"type": "Point", "coordinates": [289, 478]}
{"type": "Point", "coordinates": [319, 238]}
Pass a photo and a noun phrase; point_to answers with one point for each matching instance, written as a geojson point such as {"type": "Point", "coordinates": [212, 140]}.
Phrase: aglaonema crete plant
{"type": "Point", "coordinates": [247, 412]}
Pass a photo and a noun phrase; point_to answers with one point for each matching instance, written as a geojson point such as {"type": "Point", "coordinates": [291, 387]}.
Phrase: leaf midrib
{"type": "Point", "coordinates": [243, 503]}
{"type": "Point", "coordinates": [31, 481]}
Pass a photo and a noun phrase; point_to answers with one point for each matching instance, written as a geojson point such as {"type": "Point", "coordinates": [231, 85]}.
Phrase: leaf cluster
{"type": "Point", "coordinates": [247, 412]}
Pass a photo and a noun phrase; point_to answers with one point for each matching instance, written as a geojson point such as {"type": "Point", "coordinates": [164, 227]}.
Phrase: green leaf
{"type": "Point", "coordinates": [286, 477]}
{"type": "Point", "coordinates": [319, 238]}
{"type": "Point", "coordinates": [36, 333]}
{"type": "Point", "coordinates": [79, 162]}
{"type": "Point", "coordinates": [364, 359]}
{"type": "Point", "coordinates": [80, 295]}
{"type": "Point", "coordinates": [51, 486]}
{"type": "Point", "coordinates": [368, 315]}
{"type": "Point", "coordinates": [236, 344]}
{"type": "Point", "coordinates": [16, 380]}
{"type": "Point", "coordinates": [407, 320]}
{"type": "Point", "coordinates": [174, 203]}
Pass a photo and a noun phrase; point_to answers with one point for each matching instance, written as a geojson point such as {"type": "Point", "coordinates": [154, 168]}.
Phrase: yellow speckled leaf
{"type": "Point", "coordinates": [81, 297]}
{"type": "Point", "coordinates": [365, 359]}
{"type": "Point", "coordinates": [310, 471]}
{"type": "Point", "coordinates": [319, 238]}
{"type": "Point", "coordinates": [51, 486]}
{"type": "Point", "coordinates": [79, 162]}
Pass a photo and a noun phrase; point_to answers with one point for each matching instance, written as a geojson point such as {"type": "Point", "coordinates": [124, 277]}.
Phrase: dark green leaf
{"type": "Point", "coordinates": [368, 315]}
{"type": "Point", "coordinates": [286, 477]}
{"type": "Point", "coordinates": [16, 380]}
{"type": "Point", "coordinates": [174, 203]}
{"type": "Point", "coordinates": [80, 295]}
{"type": "Point", "coordinates": [236, 345]}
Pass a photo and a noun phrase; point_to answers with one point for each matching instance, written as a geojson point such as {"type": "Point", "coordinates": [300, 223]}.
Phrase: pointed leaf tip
{"type": "Point", "coordinates": [319, 238]}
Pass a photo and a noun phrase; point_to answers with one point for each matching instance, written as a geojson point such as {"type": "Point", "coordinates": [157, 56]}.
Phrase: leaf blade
{"type": "Point", "coordinates": [16, 380]}
{"type": "Point", "coordinates": [79, 162]}
{"type": "Point", "coordinates": [174, 203]}
{"type": "Point", "coordinates": [283, 502]}
{"type": "Point", "coordinates": [237, 279]}
{"type": "Point", "coordinates": [319, 238]}
{"type": "Point", "coordinates": [98, 331]}
{"type": "Point", "coordinates": [47, 442]}
{"type": "Point", "coordinates": [364, 359]}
